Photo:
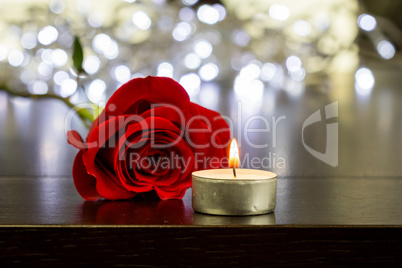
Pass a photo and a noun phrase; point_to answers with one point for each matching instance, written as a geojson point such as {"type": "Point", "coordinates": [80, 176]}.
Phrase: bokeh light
{"type": "Point", "coordinates": [191, 83]}
{"type": "Point", "coordinates": [182, 31]}
{"type": "Point", "coordinates": [59, 57]}
{"type": "Point", "coordinates": [28, 40]}
{"type": "Point", "coordinates": [122, 73]}
{"type": "Point", "coordinates": [141, 20]}
{"type": "Point", "coordinates": [279, 12]}
{"type": "Point", "coordinates": [208, 72]}
{"type": "Point", "coordinates": [208, 14]}
{"type": "Point", "coordinates": [15, 58]}
{"type": "Point", "coordinates": [364, 81]}
{"type": "Point", "coordinates": [96, 91]}
{"type": "Point", "coordinates": [165, 69]}
{"type": "Point", "coordinates": [367, 22]}
{"type": "Point", "coordinates": [38, 87]}
{"type": "Point", "coordinates": [60, 76]}
{"type": "Point", "coordinates": [91, 64]}
{"type": "Point", "coordinates": [302, 27]}
{"type": "Point", "coordinates": [386, 49]}
{"type": "Point", "coordinates": [68, 87]}
{"type": "Point", "coordinates": [192, 61]}
{"type": "Point", "coordinates": [203, 48]}
{"type": "Point", "coordinates": [47, 35]}
{"type": "Point", "coordinates": [293, 63]}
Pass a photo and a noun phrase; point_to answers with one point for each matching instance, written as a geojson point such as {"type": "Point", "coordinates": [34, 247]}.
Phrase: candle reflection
{"type": "Point", "coordinates": [204, 219]}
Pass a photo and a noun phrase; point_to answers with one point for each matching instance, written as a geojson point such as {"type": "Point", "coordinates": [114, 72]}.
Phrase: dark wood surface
{"type": "Point", "coordinates": [300, 201]}
{"type": "Point", "coordinates": [340, 216]}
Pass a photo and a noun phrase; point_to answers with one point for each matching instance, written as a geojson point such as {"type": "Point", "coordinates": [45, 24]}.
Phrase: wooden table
{"type": "Point", "coordinates": [341, 216]}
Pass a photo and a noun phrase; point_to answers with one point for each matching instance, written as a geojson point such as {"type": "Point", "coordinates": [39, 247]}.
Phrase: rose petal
{"type": "Point", "coordinates": [97, 142]}
{"type": "Point", "coordinates": [152, 89]}
{"type": "Point", "coordinates": [84, 183]}
{"type": "Point", "coordinates": [74, 138]}
{"type": "Point", "coordinates": [219, 126]}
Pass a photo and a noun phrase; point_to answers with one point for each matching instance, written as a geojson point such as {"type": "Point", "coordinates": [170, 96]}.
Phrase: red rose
{"type": "Point", "coordinates": [149, 137]}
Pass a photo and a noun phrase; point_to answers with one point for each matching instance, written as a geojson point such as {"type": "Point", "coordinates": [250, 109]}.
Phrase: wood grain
{"type": "Point", "coordinates": [207, 247]}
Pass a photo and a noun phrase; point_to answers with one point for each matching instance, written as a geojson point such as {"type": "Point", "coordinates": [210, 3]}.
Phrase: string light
{"type": "Point", "coordinates": [179, 39]}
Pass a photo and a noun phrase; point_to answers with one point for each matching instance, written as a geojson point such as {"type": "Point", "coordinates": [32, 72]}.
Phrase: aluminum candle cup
{"type": "Point", "coordinates": [216, 191]}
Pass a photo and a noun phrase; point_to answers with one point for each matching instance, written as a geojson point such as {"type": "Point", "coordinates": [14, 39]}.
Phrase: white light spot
{"type": "Point", "coordinates": [268, 71]}
{"type": "Point", "coordinates": [113, 51]}
{"type": "Point", "coordinates": [59, 57]}
{"type": "Point", "coordinates": [252, 89]}
{"type": "Point", "coordinates": [28, 40]}
{"type": "Point", "coordinates": [66, 40]}
{"type": "Point", "coordinates": [203, 48]}
{"type": "Point", "coordinates": [84, 7]}
{"type": "Point", "coordinates": [186, 14]}
{"type": "Point", "coordinates": [298, 75]}
{"type": "Point", "coordinates": [209, 95]}
{"type": "Point", "coordinates": [91, 64]}
{"type": "Point", "coordinates": [279, 12]}
{"type": "Point", "coordinates": [45, 70]}
{"type": "Point", "coordinates": [46, 55]}
{"type": "Point", "coordinates": [15, 58]}
{"type": "Point", "coordinates": [165, 69]}
{"type": "Point", "coordinates": [101, 43]}
{"type": "Point", "coordinates": [60, 76]}
{"type": "Point", "coordinates": [256, 90]}
{"type": "Point", "coordinates": [221, 10]}
{"type": "Point", "coordinates": [182, 31]}
{"type": "Point", "coordinates": [57, 6]}
{"type": "Point", "coordinates": [95, 20]}
{"type": "Point", "coordinates": [302, 28]}
{"type": "Point", "coordinates": [141, 20]}
{"type": "Point", "coordinates": [386, 49]}
{"type": "Point", "coordinates": [3, 52]}
{"type": "Point", "coordinates": [27, 76]}
{"type": "Point", "coordinates": [364, 81]}
{"type": "Point", "coordinates": [240, 38]}
{"type": "Point", "coordinates": [47, 35]}
{"type": "Point", "coordinates": [189, 2]}
{"type": "Point", "coordinates": [192, 61]}
{"type": "Point", "coordinates": [191, 83]}
{"type": "Point", "coordinates": [367, 22]}
{"type": "Point", "coordinates": [122, 73]}
{"type": "Point", "coordinates": [294, 89]}
{"type": "Point", "coordinates": [208, 72]}
{"type": "Point", "coordinates": [68, 88]}
{"type": "Point", "coordinates": [96, 91]}
{"type": "Point", "coordinates": [250, 72]}
{"type": "Point", "coordinates": [207, 14]}
{"type": "Point", "coordinates": [293, 63]}
{"type": "Point", "coordinates": [38, 88]}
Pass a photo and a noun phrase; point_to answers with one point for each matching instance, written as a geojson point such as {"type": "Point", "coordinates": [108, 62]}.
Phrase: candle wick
{"type": "Point", "coordinates": [234, 171]}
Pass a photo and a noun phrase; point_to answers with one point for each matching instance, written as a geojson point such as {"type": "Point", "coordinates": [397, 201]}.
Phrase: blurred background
{"type": "Point", "coordinates": [265, 58]}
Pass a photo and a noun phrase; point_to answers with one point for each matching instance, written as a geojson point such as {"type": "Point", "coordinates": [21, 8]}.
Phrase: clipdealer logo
{"type": "Point", "coordinates": [330, 156]}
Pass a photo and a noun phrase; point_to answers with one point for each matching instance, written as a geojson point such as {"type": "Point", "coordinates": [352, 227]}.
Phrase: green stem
{"type": "Point", "coordinates": [84, 114]}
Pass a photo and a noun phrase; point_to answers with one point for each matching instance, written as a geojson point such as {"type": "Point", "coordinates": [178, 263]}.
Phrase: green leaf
{"type": "Point", "coordinates": [78, 56]}
{"type": "Point", "coordinates": [96, 110]}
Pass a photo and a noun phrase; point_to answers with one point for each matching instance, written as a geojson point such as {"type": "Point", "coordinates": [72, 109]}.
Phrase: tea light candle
{"type": "Point", "coordinates": [234, 191]}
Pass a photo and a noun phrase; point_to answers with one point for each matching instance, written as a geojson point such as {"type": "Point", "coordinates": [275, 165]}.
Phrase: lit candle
{"type": "Point", "coordinates": [234, 191]}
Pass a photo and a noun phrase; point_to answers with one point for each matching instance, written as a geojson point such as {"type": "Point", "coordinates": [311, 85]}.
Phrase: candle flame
{"type": "Point", "coordinates": [234, 159]}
